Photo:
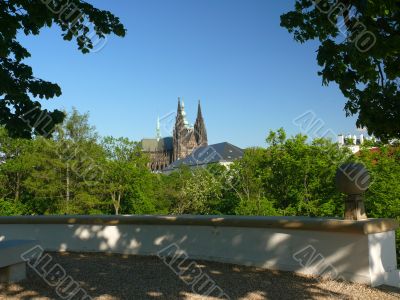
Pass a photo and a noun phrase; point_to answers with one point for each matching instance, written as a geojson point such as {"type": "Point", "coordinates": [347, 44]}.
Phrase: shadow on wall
{"type": "Point", "coordinates": [113, 276]}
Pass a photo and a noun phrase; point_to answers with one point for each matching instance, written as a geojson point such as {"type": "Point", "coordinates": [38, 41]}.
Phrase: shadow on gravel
{"type": "Point", "coordinates": [136, 277]}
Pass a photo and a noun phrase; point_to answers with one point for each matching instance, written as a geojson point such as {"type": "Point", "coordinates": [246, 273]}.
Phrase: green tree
{"type": "Point", "coordinates": [80, 155]}
{"type": "Point", "coordinates": [383, 196]}
{"type": "Point", "coordinates": [9, 208]}
{"type": "Point", "coordinates": [359, 50]}
{"type": "Point", "coordinates": [199, 192]}
{"type": "Point", "coordinates": [43, 185]}
{"type": "Point", "coordinates": [246, 177]}
{"type": "Point", "coordinates": [300, 175]}
{"type": "Point", "coordinates": [66, 173]}
{"type": "Point", "coordinates": [124, 166]}
{"type": "Point", "coordinates": [15, 166]}
{"type": "Point", "coordinates": [229, 201]}
{"type": "Point", "coordinates": [78, 20]}
{"type": "Point", "coordinates": [78, 152]}
{"type": "Point", "coordinates": [173, 186]}
{"type": "Point", "coordinates": [193, 191]}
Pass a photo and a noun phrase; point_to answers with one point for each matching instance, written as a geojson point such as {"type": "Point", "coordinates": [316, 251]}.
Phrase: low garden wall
{"type": "Point", "coordinates": [358, 251]}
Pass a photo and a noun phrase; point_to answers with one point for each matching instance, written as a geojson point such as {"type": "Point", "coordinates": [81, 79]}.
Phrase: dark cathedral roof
{"type": "Point", "coordinates": [217, 153]}
{"type": "Point", "coordinates": [161, 145]}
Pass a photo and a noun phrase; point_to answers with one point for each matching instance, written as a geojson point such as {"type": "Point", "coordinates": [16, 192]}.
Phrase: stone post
{"type": "Point", "coordinates": [353, 180]}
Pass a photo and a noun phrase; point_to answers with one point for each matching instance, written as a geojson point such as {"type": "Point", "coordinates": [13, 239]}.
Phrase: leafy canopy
{"type": "Point", "coordinates": [20, 111]}
{"type": "Point", "coordinates": [359, 50]}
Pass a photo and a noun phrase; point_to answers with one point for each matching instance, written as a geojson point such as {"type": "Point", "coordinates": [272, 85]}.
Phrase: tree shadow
{"type": "Point", "coordinates": [127, 275]}
{"type": "Point", "coordinates": [116, 276]}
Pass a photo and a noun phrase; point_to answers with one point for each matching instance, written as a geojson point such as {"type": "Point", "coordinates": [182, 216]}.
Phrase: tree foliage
{"type": "Point", "coordinates": [199, 190]}
{"type": "Point", "coordinates": [20, 110]}
{"type": "Point", "coordinates": [124, 167]}
{"type": "Point", "coordinates": [76, 172]}
{"type": "Point", "coordinates": [359, 50]}
{"type": "Point", "coordinates": [383, 196]}
{"type": "Point", "coordinates": [290, 177]}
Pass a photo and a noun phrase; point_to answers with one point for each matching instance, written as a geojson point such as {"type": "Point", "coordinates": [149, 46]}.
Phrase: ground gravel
{"type": "Point", "coordinates": [115, 277]}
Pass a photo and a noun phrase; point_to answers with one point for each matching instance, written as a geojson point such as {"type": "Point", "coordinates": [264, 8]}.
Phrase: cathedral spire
{"type": "Point", "coordinates": [185, 121]}
{"type": "Point", "coordinates": [199, 113]}
{"type": "Point", "coordinates": [200, 128]}
{"type": "Point", "coordinates": [179, 106]}
{"type": "Point", "coordinates": [178, 131]}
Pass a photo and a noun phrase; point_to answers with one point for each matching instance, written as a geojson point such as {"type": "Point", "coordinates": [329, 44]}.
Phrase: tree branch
{"type": "Point", "coordinates": [380, 73]}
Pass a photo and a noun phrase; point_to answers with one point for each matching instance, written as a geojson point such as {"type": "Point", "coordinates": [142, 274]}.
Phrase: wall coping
{"type": "Point", "coordinates": [369, 226]}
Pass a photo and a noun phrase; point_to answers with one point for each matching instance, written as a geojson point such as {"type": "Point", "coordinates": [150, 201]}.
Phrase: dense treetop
{"type": "Point", "coordinates": [360, 51]}
{"type": "Point", "coordinates": [20, 110]}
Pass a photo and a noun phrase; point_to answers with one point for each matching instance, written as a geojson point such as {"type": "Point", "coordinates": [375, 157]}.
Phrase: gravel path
{"type": "Point", "coordinates": [115, 277]}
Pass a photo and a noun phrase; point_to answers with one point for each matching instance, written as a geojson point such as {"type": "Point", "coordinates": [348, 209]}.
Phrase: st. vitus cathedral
{"type": "Point", "coordinates": [185, 139]}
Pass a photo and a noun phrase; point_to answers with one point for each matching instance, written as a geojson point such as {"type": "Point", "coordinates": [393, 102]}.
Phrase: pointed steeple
{"type": "Point", "coordinates": [179, 114]}
{"type": "Point", "coordinates": [185, 121]}
{"type": "Point", "coordinates": [200, 128]}
{"type": "Point", "coordinates": [178, 130]}
{"type": "Point", "coordinates": [179, 106]}
{"type": "Point", "coordinates": [199, 113]}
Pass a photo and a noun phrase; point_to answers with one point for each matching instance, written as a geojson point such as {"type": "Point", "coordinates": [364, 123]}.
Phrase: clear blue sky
{"type": "Point", "coordinates": [232, 54]}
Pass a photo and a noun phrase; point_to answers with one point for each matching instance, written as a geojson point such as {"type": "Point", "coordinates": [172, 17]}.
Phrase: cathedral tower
{"type": "Point", "coordinates": [187, 138]}
{"type": "Point", "coordinates": [178, 131]}
{"type": "Point", "coordinates": [200, 131]}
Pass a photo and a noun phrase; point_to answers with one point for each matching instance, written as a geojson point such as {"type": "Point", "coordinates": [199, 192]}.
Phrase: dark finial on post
{"type": "Point", "coordinates": [353, 180]}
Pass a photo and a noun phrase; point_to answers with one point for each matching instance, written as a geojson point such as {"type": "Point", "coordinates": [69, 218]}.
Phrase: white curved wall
{"type": "Point", "coordinates": [354, 256]}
